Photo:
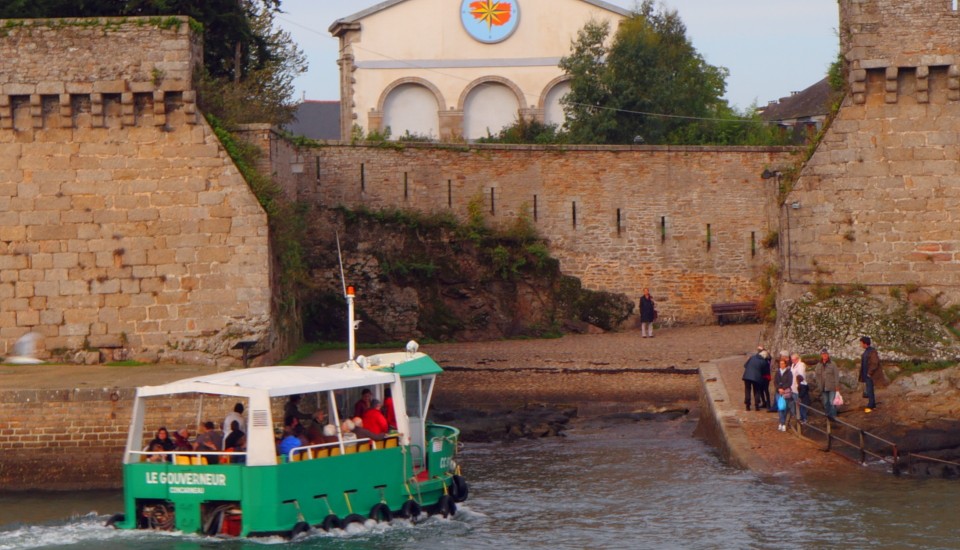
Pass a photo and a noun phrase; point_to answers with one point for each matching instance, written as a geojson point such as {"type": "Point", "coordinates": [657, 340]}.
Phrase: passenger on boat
{"type": "Point", "coordinates": [209, 439]}
{"type": "Point", "coordinates": [346, 430]}
{"type": "Point", "coordinates": [163, 439]}
{"type": "Point", "coordinates": [236, 440]}
{"type": "Point", "coordinates": [292, 408]}
{"type": "Point", "coordinates": [181, 440]}
{"type": "Point", "coordinates": [329, 434]}
{"type": "Point", "coordinates": [158, 455]}
{"type": "Point", "coordinates": [315, 431]}
{"type": "Point", "coordinates": [235, 416]}
{"type": "Point", "coordinates": [363, 433]}
{"type": "Point", "coordinates": [373, 419]}
{"type": "Point", "coordinates": [388, 410]}
{"type": "Point", "coordinates": [366, 397]}
{"type": "Point", "coordinates": [291, 440]}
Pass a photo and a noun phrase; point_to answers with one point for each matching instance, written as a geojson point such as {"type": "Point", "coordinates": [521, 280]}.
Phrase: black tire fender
{"type": "Point", "coordinates": [446, 506]}
{"type": "Point", "coordinates": [459, 489]}
{"type": "Point", "coordinates": [299, 528]}
{"type": "Point", "coordinates": [410, 509]}
{"type": "Point", "coordinates": [380, 512]}
{"type": "Point", "coordinates": [330, 523]}
{"type": "Point", "coordinates": [114, 520]}
{"type": "Point", "coordinates": [352, 518]}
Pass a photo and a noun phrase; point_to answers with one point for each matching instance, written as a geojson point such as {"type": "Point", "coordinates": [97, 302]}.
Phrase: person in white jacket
{"type": "Point", "coordinates": [799, 369]}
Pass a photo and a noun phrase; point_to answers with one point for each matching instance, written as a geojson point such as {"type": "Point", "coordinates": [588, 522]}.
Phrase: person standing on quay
{"type": "Point", "coordinates": [648, 314]}
{"type": "Point", "coordinates": [783, 381]}
{"type": "Point", "coordinates": [828, 378]}
{"type": "Point", "coordinates": [753, 378]}
{"type": "Point", "coordinates": [870, 372]}
{"type": "Point", "coordinates": [799, 370]}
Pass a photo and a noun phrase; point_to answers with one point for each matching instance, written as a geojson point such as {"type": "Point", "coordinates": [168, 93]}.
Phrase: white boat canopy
{"type": "Point", "coordinates": [274, 381]}
{"type": "Point", "coordinates": [261, 384]}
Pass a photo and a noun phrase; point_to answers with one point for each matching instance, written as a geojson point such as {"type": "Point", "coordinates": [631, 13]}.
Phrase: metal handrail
{"type": "Point", "coordinates": [860, 445]}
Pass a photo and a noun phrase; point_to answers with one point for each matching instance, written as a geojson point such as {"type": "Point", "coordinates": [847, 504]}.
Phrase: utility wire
{"type": "Point", "coordinates": [525, 93]}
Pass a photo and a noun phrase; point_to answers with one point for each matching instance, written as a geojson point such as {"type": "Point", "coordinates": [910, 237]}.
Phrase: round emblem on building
{"type": "Point", "coordinates": [490, 21]}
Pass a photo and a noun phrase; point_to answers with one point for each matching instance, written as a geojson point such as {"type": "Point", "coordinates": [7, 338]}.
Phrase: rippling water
{"type": "Point", "coordinates": [644, 485]}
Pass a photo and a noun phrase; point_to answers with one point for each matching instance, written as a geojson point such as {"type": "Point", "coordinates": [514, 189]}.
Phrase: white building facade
{"type": "Point", "coordinates": [458, 69]}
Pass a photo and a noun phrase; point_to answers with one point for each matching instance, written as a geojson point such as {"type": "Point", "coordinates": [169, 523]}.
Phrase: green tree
{"type": "Point", "coordinates": [647, 86]}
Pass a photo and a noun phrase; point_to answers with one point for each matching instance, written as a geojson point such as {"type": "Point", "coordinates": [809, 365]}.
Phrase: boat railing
{"type": "Point", "coordinates": [322, 450]}
{"type": "Point", "coordinates": [188, 457]}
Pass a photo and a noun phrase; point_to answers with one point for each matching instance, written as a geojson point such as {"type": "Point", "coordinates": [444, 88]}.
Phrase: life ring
{"type": "Point", "coordinates": [299, 528]}
{"type": "Point", "coordinates": [352, 518]}
{"type": "Point", "coordinates": [410, 509]}
{"type": "Point", "coordinates": [446, 506]}
{"type": "Point", "coordinates": [330, 522]}
{"type": "Point", "coordinates": [459, 489]}
{"type": "Point", "coordinates": [114, 520]}
{"type": "Point", "coordinates": [380, 512]}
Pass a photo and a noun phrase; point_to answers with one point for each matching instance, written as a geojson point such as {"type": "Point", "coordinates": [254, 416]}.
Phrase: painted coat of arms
{"type": "Point", "coordinates": [490, 21]}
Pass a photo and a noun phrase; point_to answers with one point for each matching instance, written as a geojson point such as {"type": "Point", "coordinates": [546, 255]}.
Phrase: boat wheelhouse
{"type": "Point", "coordinates": [328, 484]}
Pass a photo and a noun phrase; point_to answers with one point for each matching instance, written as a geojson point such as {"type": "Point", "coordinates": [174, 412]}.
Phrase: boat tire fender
{"type": "Point", "coordinates": [330, 523]}
{"type": "Point", "coordinates": [353, 518]}
{"type": "Point", "coordinates": [446, 506]}
{"type": "Point", "coordinates": [459, 489]}
{"type": "Point", "coordinates": [299, 528]}
{"type": "Point", "coordinates": [114, 520]}
{"type": "Point", "coordinates": [380, 512]}
{"type": "Point", "coordinates": [410, 509]}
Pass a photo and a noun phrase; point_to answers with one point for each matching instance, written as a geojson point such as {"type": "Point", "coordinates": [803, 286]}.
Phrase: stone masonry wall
{"type": "Point", "coordinates": [687, 222]}
{"type": "Point", "coordinates": [74, 438]}
{"type": "Point", "coordinates": [879, 202]}
{"type": "Point", "coordinates": [125, 229]}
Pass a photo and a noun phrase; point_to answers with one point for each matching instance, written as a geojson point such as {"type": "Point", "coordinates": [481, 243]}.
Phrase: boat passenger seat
{"type": "Point", "coordinates": [182, 459]}
{"type": "Point", "coordinates": [335, 451]}
{"type": "Point", "coordinates": [390, 442]}
{"type": "Point", "coordinates": [198, 461]}
{"type": "Point", "coordinates": [321, 453]}
{"type": "Point", "coordinates": [363, 447]}
{"type": "Point", "coordinates": [349, 449]}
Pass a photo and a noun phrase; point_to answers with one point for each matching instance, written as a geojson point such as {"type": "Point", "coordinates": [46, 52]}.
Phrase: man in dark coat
{"type": "Point", "coordinates": [753, 378]}
{"type": "Point", "coordinates": [870, 372]}
{"type": "Point", "coordinates": [648, 314]}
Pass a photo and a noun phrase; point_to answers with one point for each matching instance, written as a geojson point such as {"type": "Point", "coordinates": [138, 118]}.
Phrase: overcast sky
{"type": "Point", "coordinates": [771, 47]}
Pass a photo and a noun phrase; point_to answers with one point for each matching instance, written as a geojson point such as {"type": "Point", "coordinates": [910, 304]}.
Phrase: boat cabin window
{"type": "Point", "coordinates": [417, 393]}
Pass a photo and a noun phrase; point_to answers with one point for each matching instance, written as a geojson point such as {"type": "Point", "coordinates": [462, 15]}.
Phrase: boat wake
{"type": "Point", "coordinates": [88, 531]}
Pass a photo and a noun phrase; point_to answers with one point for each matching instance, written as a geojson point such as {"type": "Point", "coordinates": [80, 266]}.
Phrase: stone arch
{"type": "Point", "coordinates": [478, 119]}
{"type": "Point", "coordinates": [422, 103]}
{"type": "Point", "coordinates": [549, 103]}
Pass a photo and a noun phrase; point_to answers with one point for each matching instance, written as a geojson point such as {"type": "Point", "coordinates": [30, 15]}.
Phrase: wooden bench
{"type": "Point", "coordinates": [735, 311]}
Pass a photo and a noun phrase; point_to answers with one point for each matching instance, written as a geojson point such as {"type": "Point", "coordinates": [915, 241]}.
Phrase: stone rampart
{"type": "Point", "coordinates": [687, 222]}
{"type": "Point", "coordinates": [878, 202]}
{"type": "Point", "coordinates": [125, 229]}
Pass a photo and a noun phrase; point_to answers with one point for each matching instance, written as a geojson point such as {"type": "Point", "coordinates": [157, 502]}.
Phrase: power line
{"type": "Point", "coordinates": [413, 65]}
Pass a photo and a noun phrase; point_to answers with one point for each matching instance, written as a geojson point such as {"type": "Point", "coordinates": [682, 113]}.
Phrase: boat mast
{"type": "Point", "coordinates": [351, 326]}
{"type": "Point", "coordinates": [348, 294]}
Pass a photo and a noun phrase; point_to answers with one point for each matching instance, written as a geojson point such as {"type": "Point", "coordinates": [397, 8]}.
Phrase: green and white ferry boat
{"type": "Point", "coordinates": [329, 485]}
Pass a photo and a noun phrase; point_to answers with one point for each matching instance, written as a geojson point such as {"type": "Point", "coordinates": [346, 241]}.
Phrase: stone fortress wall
{"type": "Point", "coordinates": [125, 229]}
{"type": "Point", "coordinates": [687, 222]}
{"type": "Point", "coordinates": [879, 202]}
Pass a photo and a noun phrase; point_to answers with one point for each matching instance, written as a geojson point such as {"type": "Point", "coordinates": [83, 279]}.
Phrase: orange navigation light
{"type": "Point", "coordinates": [349, 291]}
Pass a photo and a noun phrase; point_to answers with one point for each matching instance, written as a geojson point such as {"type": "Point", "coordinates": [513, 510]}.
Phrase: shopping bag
{"type": "Point", "coordinates": [837, 399]}
{"type": "Point", "coordinates": [781, 403]}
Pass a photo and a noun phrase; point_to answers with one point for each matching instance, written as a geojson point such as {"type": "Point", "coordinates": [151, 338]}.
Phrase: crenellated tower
{"type": "Point", "coordinates": [878, 204]}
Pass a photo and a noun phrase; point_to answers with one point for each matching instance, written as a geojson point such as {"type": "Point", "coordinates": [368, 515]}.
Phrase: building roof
{"type": "Point", "coordinates": [316, 120]}
{"type": "Point", "coordinates": [809, 103]}
{"type": "Point", "coordinates": [390, 3]}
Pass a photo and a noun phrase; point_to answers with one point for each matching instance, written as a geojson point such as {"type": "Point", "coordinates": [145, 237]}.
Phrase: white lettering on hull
{"type": "Point", "coordinates": [185, 478]}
